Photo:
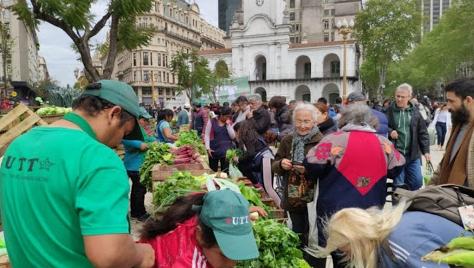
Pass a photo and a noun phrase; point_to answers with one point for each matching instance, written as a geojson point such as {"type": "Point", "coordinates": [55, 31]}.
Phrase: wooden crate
{"type": "Point", "coordinates": [4, 262]}
{"type": "Point", "coordinates": [17, 121]}
{"type": "Point", "coordinates": [162, 172]}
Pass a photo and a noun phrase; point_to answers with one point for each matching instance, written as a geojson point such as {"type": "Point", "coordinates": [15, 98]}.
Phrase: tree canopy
{"type": "Point", "coordinates": [75, 18]}
{"type": "Point", "coordinates": [387, 30]}
{"type": "Point", "coordinates": [445, 53]}
{"type": "Point", "coordinates": [194, 76]}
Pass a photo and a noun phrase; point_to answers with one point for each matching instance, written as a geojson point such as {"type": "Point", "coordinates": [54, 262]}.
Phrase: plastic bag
{"type": "Point", "coordinates": [234, 172]}
{"type": "Point", "coordinates": [432, 135]}
{"type": "Point", "coordinates": [429, 170]}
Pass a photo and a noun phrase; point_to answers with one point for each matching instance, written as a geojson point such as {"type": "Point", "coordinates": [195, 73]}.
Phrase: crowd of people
{"type": "Point", "coordinates": [64, 192]}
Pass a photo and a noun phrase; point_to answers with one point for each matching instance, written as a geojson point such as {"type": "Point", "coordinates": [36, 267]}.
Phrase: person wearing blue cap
{"type": "Point", "coordinates": [202, 230]}
{"type": "Point", "coordinates": [64, 191]}
{"type": "Point", "coordinates": [134, 156]}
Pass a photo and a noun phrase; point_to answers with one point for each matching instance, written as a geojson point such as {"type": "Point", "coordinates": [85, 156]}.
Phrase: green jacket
{"type": "Point", "coordinates": [402, 118]}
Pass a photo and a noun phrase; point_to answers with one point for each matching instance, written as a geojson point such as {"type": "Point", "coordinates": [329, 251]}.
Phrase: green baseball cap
{"type": "Point", "coordinates": [144, 114]}
{"type": "Point", "coordinates": [227, 214]}
{"type": "Point", "coordinates": [120, 94]}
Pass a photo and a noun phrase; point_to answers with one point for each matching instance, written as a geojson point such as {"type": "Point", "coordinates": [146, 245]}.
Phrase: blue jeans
{"type": "Point", "coordinates": [410, 176]}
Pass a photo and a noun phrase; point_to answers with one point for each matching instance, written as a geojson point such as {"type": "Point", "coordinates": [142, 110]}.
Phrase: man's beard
{"type": "Point", "coordinates": [460, 116]}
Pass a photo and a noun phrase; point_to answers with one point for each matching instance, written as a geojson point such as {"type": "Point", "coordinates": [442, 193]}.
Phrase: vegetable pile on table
{"type": "Point", "coordinates": [53, 110]}
{"type": "Point", "coordinates": [191, 138]}
{"type": "Point", "coordinates": [278, 247]}
{"type": "Point", "coordinates": [157, 153]}
{"type": "Point", "coordinates": [459, 251]}
{"type": "Point", "coordinates": [178, 184]}
{"type": "Point", "coordinates": [185, 155]}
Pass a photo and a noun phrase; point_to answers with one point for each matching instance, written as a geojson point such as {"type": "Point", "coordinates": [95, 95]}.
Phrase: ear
{"type": "Point", "coordinates": [469, 100]}
{"type": "Point", "coordinates": [115, 111]}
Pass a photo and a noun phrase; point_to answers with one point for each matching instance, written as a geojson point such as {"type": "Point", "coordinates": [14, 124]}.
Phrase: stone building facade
{"type": "Point", "coordinates": [261, 49]}
{"type": "Point", "coordinates": [179, 27]}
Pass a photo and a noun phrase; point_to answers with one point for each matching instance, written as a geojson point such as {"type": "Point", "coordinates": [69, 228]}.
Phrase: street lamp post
{"type": "Point", "coordinates": [345, 28]}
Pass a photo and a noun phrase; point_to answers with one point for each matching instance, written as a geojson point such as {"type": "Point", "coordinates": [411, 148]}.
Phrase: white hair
{"type": "Point", "coordinates": [255, 97]}
{"type": "Point", "coordinates": [406, 87]}
{"type": "Point", "coordinates": [306, 107]}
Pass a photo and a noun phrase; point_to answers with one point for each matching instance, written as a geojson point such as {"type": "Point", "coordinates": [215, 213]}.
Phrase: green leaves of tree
{"type": "Point", "coordinates": [74, 17]}
{"type": "Point", "coordinates": [194, 77]}
{"type": "Point", "coordinates": [387, 30]}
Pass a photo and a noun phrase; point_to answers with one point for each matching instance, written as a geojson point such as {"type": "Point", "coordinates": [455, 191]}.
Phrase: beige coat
{"type": "Point", "coordinates": [469, 166]}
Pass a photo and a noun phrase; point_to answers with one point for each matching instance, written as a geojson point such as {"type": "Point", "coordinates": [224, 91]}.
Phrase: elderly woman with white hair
{"type": "Point", "coordinates": [288, 164]}
{"type": "Point", "coordinates": [351, 167]}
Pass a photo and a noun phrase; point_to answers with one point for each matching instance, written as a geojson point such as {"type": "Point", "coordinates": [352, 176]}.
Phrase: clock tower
{"type": "Point", "coordinates": [272, 8]}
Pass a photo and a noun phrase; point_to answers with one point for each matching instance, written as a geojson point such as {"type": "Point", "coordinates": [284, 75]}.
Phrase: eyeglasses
{"type": "Point", "coordinates": [401, 97]}
{"type": "Point", "coordinates": [303, 122]}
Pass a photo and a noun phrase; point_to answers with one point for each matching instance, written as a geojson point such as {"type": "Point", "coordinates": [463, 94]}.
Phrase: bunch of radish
{"type": "Point", "coordinates": [185, 155]}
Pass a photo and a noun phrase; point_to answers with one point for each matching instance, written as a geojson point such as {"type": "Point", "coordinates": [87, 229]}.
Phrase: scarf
{"type": "Point", "coordinates": [299, 142]}
{"type": "Point", "coordinates": [455, 172]}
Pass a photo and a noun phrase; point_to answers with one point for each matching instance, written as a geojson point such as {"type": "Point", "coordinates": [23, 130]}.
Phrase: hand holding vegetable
{"type": "Point", "coordinates": [286, 164]}
{"type": "Point", "coordinates": [259, 210]}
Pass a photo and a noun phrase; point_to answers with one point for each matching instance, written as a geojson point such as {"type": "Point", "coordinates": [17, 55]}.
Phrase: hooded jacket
{"type": "Point", "coordinates": [413, 137]}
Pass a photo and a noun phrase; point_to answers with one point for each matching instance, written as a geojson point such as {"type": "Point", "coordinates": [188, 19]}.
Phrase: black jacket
{"type": "Point", "coordinates": [420, 140]}
{"type": "Point", "coordinates": [261, 118]}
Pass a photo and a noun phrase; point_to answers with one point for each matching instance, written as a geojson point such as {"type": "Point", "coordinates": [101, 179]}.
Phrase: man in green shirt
{"type": "Point", "coordinates": [64, 191]}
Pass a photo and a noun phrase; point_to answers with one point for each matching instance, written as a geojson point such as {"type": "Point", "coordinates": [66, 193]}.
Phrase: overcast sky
{"type": "Point", "coordinates": [55, 45]}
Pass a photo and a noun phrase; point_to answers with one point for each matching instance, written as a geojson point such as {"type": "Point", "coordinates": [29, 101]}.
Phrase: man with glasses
{"type": "Point", "coordinates": [409, 134]}
{"type": "Point", "coordinates": [64, 191]}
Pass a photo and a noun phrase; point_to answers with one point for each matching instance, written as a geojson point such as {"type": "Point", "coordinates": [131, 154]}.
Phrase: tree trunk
{"type": "Point", "coordinates": [91, 73]}
{"type": "Point", "coordinates": [382, 78]}
{"type": "Point", "coordinates": [113, 47]}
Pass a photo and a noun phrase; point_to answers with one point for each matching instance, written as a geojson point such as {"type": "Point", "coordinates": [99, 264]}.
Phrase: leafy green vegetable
{"type": "Point", "coordinates": [53, 110]}
{"type": "Point", "coordinates": [232, 153]}
{"type": "Point", "coordinates": [278, 247]}
{"type": "Point", "coordinates": [178, 184]}
{"type": "Point", "coordinates": [253, 196]}
{"type": "Point", "coordinates": [192, 138]}
{"type": "Point", "coordinates": [157, 153]}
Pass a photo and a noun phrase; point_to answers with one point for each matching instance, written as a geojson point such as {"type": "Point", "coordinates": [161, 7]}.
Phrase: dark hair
{"type": "Point", "coordinates": [323, 108]}
{"type": "Point", "coordinates": [226, 104]}
{"type": "Point", "coordinates": [292, 101]}
{"type": "Point", "coordinates": [180, 211]}
{"type": "Point", "coordinates": [323, 100]}
{"type": "Point", "coordinates": [163, 114]}
{"type": "Point", "coordinates": [248, 134]}
{"type": "Point", "coordinates": [461, 88]}
{"type": "Point", "coordinates": [241, 99]}
{"type": "Point", "coordinates": [277, 102]}
{"type": "Point", "coordinates": [338, 100]}
{"type": "Point", "coordinates": [93, 105]}
{"type": "Point", "coordinates": [225, 110]}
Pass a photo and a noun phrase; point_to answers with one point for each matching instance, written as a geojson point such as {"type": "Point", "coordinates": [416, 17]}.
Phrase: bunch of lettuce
{"type": "Point", "coordinates": [53, 110]}
{"type": "Point", "coordinates": [157, 153]}
{"type": "Point", "coordinates": [278, 247]}
{"type": "Point", "coordinates": [178, 184]}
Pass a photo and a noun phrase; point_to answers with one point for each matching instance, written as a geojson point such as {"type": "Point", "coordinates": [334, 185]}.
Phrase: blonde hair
{"type": "Point", "coordinates": [359, 233]}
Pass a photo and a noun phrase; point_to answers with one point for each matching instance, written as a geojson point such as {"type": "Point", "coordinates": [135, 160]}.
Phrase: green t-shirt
{"type": "Point", "coordinates": [56, 186]}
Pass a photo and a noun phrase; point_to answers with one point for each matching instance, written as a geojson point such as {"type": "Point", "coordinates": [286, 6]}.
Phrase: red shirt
{"type": "Point", "coordinates": [178, 248]}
